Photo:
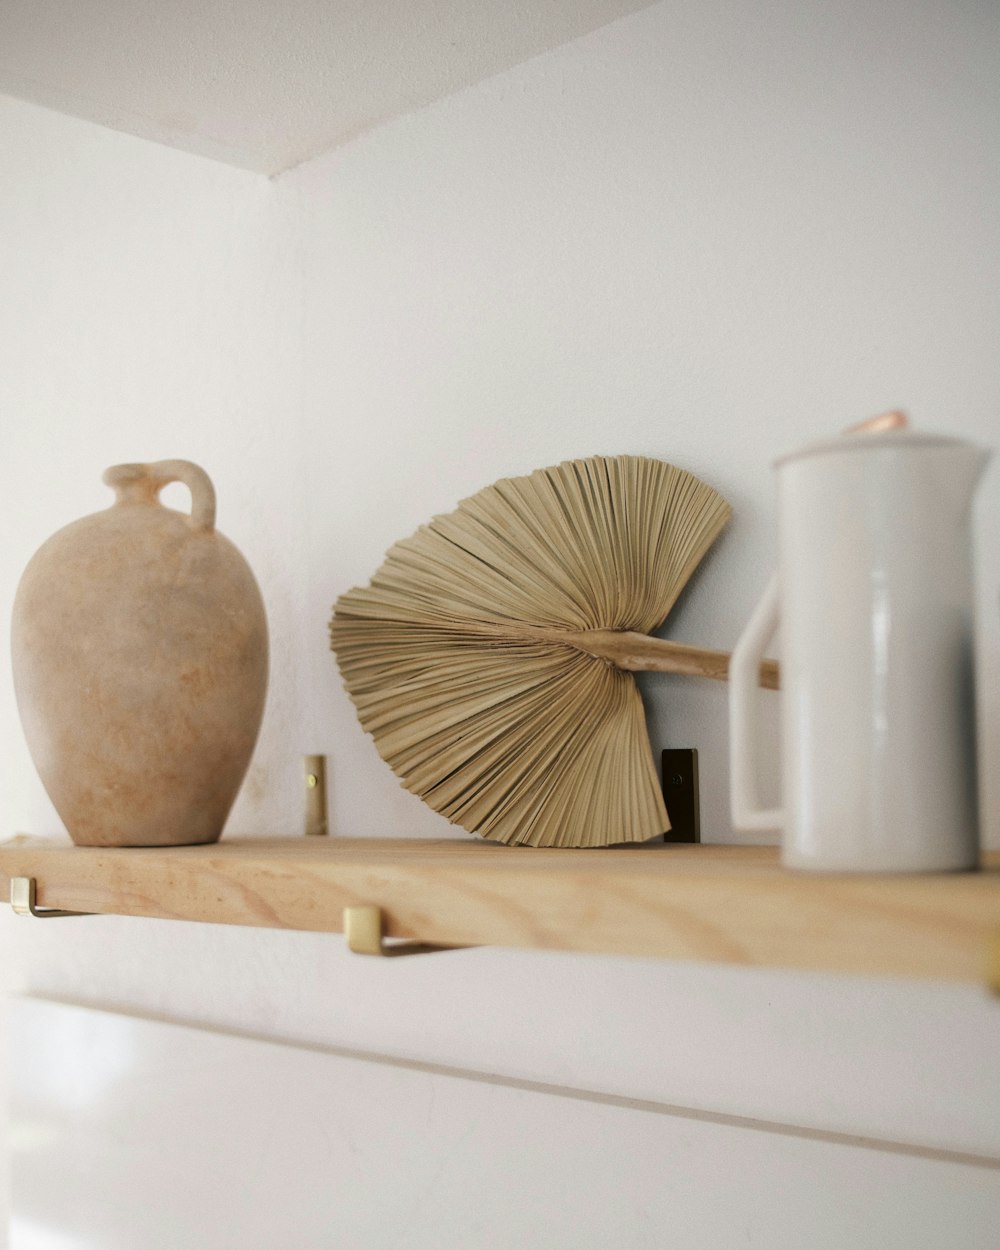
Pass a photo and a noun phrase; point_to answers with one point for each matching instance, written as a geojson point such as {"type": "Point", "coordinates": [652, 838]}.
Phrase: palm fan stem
{"type": "Point", "coordinates": [629, 650]}
{"type": "Point", "coordinates": [639, 653]}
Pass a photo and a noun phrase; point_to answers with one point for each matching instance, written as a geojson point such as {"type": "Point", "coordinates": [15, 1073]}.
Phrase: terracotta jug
{"type": "Point", "coordinates": [140, 665]}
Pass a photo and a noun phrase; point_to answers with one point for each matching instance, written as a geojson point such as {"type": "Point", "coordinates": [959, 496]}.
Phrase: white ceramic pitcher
{"type": "Point", "coordinates": [874, 599]}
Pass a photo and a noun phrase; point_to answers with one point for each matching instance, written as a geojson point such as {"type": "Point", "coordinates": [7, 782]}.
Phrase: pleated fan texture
{"type": "Point", "coordinates": [511, 735]}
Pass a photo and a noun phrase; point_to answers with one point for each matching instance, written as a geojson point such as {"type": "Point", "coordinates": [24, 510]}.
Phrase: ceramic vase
{"type": "Point", "coordinates": [140, 665]}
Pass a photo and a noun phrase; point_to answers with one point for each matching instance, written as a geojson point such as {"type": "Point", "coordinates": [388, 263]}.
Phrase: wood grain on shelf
{"type": "Point", "coordinates": [727, 904]}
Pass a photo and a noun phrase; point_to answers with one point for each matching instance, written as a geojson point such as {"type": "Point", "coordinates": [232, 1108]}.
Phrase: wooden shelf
{"type": "Point", "coordinates": [726, 904]}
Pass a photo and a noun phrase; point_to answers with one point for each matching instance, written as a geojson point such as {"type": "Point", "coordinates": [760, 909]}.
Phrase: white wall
{"type": "Point", "coordinates": [709, 233]}
{"type": "Point", "coordinates": [314, 1150]}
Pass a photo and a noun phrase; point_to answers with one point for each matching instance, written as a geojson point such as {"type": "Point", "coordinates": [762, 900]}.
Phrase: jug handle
{"type": "Point", "coordinates": [145, 481]}
{"type": "Point", "coordinates": [747, 812]}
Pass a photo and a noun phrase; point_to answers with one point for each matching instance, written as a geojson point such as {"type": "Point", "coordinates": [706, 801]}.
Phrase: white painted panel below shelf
{"type": "Point", "coordinates": [134, 1134]}
{"type": "Point", "coordinates": [910, 1062]}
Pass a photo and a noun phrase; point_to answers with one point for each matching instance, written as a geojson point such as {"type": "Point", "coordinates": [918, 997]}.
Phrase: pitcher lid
{"type": "Point", "coordinates": [893, 440]}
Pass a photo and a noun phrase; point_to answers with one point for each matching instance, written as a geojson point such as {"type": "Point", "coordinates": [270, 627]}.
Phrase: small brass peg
{"type": "Point", "coordinates": [315, 777]}
{"type": "Point", "coordinates": [993, 963]}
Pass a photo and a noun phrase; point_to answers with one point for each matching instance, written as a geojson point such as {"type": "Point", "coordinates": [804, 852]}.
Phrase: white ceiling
{"type": "Point", "coordinates": [266, 84]}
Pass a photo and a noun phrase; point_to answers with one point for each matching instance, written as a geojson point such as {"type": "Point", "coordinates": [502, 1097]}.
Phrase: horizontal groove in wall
{"type": "Point", "coordinates": [646, 1106]}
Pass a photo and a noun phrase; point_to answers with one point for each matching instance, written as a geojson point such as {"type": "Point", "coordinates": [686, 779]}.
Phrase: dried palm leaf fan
{"type": "Point", "coordinates": [490, 657]}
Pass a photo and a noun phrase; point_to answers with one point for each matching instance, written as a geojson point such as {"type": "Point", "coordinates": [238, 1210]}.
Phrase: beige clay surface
{"type": "Point", "coordinates": [140, 665]}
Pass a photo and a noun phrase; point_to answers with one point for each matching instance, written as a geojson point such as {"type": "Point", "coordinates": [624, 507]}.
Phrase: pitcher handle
{"type": "Point", "coordinates": [745, 804]}
{"type": "Point", "coordinates": [145, 481]}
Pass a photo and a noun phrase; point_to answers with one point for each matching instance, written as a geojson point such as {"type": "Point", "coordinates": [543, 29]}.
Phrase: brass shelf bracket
{"type": "Point", "coordinates": [363, 931]}
{"type": "Point", "coordinates": [23, 891]}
